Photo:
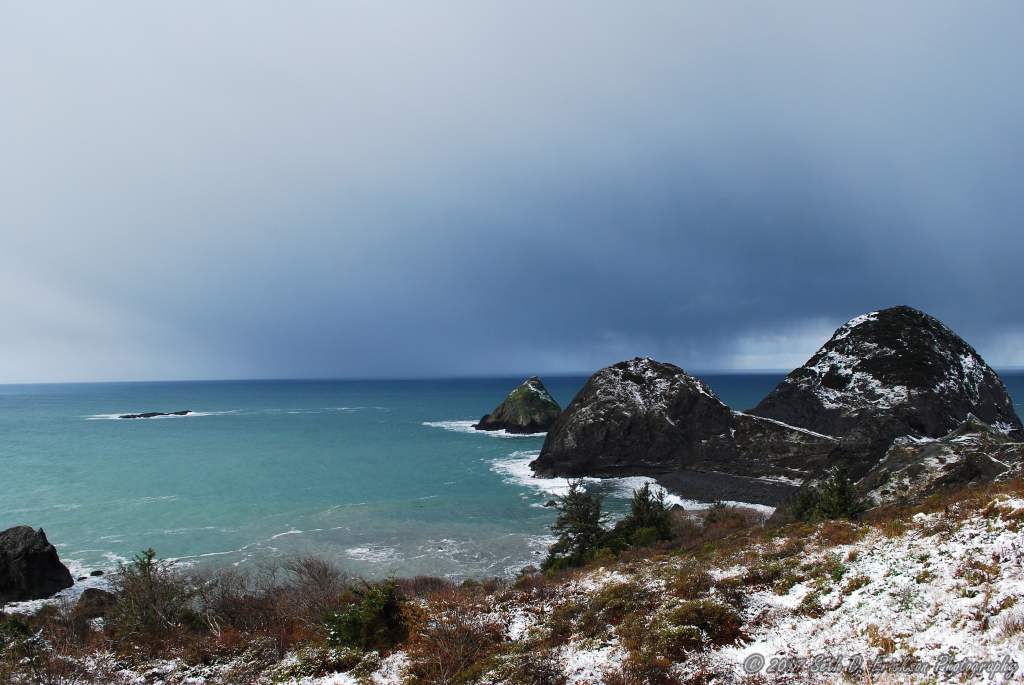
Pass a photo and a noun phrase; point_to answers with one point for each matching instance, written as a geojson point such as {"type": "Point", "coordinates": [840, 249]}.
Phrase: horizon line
{"type": "Point", "coordinates": [461, 377]}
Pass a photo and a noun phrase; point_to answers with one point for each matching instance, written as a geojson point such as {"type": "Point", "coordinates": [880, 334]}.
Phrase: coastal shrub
{"type": "Point", "coordinates": [578, 527]}
{"type": "Point", "coordinates": [649, 519]}
{"type": "Point", "coordinates": [152, 600]}
{"type": "Point", "coordinates": [768, 571]}
{"type": "Point", "coordinates": [717, 621]}
{"type": "Point", "coordinates": [561, 623]}
{"type": "Point", "coordinates": [834, 498]}
{"type": "Point", "coordinates": [423, 586]}
{"type": "Point", "coordinates": [835, 568]}
{"type": "Point", "coordinates": [286, 601]}
{"type": "Point", "coordinates": [691, 580]}
{"type": "Point", "coordinates": [535, 667]}
{"type": "Point", "coordinates": [315, 660]}
{"type": "Point", "coordinates": [839, 533]}
{"type": "Point", "coordinates": [732, 590]}
{"type": "Point", "coordinates": [614, 602]}
{"type": "Point", "coordinates": [856, 583]}
{"type": "Point", "coordinates": [29, 653]}
{"type": "Point", "coordinates": [1012, 624]}
{"type": "Point", "coordinates": [691, 532]}
{"type": "Point", "coordinates": [810, 605]}
{"type": "Point", "coordinates": [312, 588]}
{"type": "Point", "coordinates": [453, 636]}
{"type": "Point", "coordinates": [689, 627]}
{"type": "Point", "coordinates": [372, 620]}
{"type": "Point", "coordinates": [642, 668]}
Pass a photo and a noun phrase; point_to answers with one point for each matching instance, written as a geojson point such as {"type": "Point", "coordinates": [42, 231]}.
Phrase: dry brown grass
{"type": "Point", "coordinates": [839, 533]}
{"type": "Point", "coordinates": [1011, 624]}
{"type": "Point", "coordinates": [454, 635]}
{"type": "Point", "coordinates": [882, 642]}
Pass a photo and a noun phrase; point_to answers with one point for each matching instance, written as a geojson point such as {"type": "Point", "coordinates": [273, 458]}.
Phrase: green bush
{"type": "Point", "coordinates": [719, 622]}
{"type": "Point", "coordinates": [690, 627]}
{"type": "Point", "coordinates": [649, 516]}
{"type": "Point", "coordinates": [691, 581]}
{"type": "Point", "coordinates": [835, 498]}
{"type": "Point", "coordinates": [373, 620]}
{"type": "Point", "coordinates": [582, 539]}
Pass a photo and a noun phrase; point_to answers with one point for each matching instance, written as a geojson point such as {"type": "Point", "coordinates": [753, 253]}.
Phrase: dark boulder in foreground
{"type": "Point", "coordinates": [529, 408]}
{"type": "Point", "coordinates": [647, 417]}
{"type": "Point", "coordinates": [29, 566]}
{"type": "Point", "coordinates": [887, 374]}
{"type": "Point", "coordinates": [154, 414]}
{"type": "Point", "coordinates": [94, 603]}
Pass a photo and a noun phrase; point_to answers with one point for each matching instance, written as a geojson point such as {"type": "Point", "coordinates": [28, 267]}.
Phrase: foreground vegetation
{"type": "Point", "coordinates": [661, 597]}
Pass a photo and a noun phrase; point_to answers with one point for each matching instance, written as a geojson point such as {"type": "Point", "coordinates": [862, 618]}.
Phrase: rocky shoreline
{"type": "Point", "coordinates": [695, 485]}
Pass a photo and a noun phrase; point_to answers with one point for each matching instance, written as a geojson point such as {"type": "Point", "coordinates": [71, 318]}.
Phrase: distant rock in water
{"type": "Point", "coordinates": [647, 417]}
{"type": "Point", "coordinates": [886, 374]}
{"type": "Point", "coordinates": [529, 408]}
{"type": "Point", "coordinates": [29, 566]}
{"type": "Point", "coordinates": [153, 414]}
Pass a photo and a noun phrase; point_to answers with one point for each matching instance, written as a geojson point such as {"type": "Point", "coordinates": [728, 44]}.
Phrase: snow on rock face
{"type": "Point", "coordinates": [642, 416]}
{"type": "Point", "coordinates": [893, 372]}
{"type": "Point", "coordinates": [916, 467]}
{"type": "Point", "coordinates": [631, 417]}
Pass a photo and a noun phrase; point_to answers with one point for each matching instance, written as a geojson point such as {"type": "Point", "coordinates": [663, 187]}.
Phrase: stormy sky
{"type": "Point", "coordinates": [364, 189]}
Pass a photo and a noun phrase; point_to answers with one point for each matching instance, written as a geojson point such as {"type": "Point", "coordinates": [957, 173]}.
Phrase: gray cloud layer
{"type": "Point", "coordinates": [360, 189]}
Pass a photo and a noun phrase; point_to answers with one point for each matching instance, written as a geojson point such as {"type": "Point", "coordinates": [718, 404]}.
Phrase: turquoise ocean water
{"type": "Point", "coordinates": [381, 477]}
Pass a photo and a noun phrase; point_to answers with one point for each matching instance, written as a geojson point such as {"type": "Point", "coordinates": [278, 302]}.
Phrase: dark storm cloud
{"type": "Point", "coordinates": [360, 189]}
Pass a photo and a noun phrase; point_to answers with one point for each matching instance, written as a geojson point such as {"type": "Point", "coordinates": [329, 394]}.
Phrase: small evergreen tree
{"type": "Point", "coordinates": [649, 518]}
{"type": "Point", "coordinates": [835, 498]}
{"type": "Point", "coordinates": [151, 597]}
{"type": "Point", "coordinates": [578, 526]}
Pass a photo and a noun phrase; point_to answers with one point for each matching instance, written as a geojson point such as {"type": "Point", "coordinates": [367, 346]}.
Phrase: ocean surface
{"type": "Point", "coordinates": [381, 477]}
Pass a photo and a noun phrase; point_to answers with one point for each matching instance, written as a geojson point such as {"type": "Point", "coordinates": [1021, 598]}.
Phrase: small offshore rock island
{"type": "Point", "coordinates": [529, 408]}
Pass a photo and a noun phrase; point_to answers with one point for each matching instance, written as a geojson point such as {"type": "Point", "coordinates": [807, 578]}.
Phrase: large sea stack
{"type": "Point", "coordinates": [887, 374]}
{"type": "Point", "coordinates": [645, 417]}
{"type": "Point", "coordinates": [29, 566]}
{"type": "Point", "coordinates": [529, 408]}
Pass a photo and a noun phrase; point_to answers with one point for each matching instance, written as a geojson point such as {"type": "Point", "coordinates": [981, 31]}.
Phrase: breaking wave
{"type": "Point", "coordinates": [467, 427]}
{"type": "Point", "coordinates": [515, 470]}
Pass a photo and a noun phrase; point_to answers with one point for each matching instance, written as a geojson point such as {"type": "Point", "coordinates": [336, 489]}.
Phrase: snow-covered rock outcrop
{"type": "Point", "coordinates": [891, 373]}
{"type": "Point", "coordinates": [916, 467]}
{"type": "Point", "coordinates": [643, 416]}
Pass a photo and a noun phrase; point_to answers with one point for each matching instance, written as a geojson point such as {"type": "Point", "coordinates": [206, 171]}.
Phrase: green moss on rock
{"type": "Point", "coordinates": [529, 408]}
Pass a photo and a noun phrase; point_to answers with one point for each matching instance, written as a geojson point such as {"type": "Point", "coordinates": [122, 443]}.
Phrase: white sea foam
{"type": "Point", "coordinates": [374, 554]}
{"type": "Point", "coordinates": [293, 531]}
{"type": "Point", "coordinates": [463, 426]}
{"type": "Point", "coordinates": [516, 470]}
{"type": "Point", "coordinates": [328, 410]}
{"type": "Point", "coordinates": [156, 498]}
